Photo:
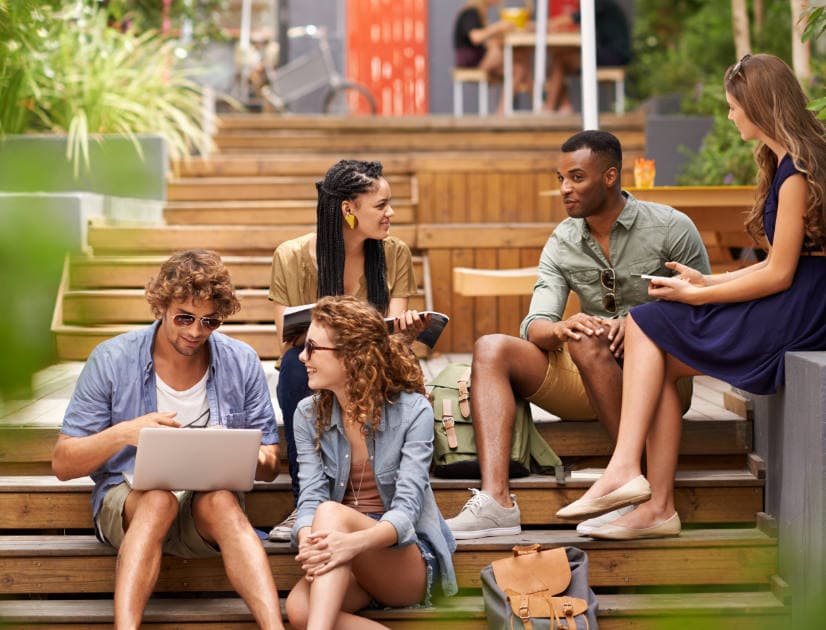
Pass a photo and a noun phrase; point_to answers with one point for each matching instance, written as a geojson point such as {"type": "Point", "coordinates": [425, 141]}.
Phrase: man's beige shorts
{"type": "Point", "coordinates": [562, 393]}
{"type": "Point", "coordinates": [182, 540]}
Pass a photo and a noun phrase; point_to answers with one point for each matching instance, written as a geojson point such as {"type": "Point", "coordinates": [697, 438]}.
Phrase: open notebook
{"type": "Point", "coordinates": [195, 459]}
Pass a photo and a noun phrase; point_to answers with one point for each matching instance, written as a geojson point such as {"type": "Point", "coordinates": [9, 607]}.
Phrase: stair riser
{"type": "Point", "coordinates": [46, 510]}
{"type": "Point", "coordinates": [261, 216]}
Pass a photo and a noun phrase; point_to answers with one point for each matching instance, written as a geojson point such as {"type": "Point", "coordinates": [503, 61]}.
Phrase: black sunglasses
{"type": "Point", "coordinates": [184, 321]}
{"type": "Point", "coordinates": [194, 425]}
{"type": "Point", "coordinates": [310, 347]}
{"type": "Point", "coordinates": [735, 70]}
{"type": "Point", "coordinates": [608, 280]}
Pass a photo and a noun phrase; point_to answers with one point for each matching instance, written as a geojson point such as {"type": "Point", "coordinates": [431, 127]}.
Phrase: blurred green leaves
{"type": "Point", "coordinates": [65, 70]}
{"type": "Point", "coordinates": [31, 257]}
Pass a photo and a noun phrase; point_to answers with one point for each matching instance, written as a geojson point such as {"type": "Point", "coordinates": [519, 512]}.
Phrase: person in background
{"type": "Point", "coordinates": [734, 326]}
{"type": "Point", "coordinates": [613, 49]}
{"type": "Point", "coordinates": [368, 529]}
{"type": "Point", "coordinates": [477, 44]}
{"type": "Point", "coordinates": [350, 253]}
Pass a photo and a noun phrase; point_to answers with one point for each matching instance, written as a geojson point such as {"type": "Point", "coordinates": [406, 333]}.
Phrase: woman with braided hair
{"type": "Point", "coordinates": [368, 531]}
{"type": "Point", "coordinates": [350, 253]}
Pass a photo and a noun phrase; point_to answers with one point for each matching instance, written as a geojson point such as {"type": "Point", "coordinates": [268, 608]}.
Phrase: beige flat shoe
{"type": "Point", "coordinates": [635, 491]}
{"type": "Point", "coordinates": [668, 528]}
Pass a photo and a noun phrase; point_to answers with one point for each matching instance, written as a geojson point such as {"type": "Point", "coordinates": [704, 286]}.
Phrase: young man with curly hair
{"type": "Point", "coordinates": [178, 372]}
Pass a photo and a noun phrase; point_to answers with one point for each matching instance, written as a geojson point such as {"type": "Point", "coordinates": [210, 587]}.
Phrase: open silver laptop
{"type": "Point", "coordinates": [195, 459]}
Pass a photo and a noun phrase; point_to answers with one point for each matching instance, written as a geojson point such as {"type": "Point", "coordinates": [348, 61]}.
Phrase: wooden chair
{"type": "Point", "coordinates": [470, 75]}
{"type": "Point", "coordinates": [616, 75]}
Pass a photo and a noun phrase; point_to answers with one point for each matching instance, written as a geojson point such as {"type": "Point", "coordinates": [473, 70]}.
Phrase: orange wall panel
{"type": "Point", "coordinates": [387, 52]}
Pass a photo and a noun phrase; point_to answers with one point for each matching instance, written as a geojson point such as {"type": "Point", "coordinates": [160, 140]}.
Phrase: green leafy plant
{"type": "Point", "coordinates": [723, 160]}
{"type": "Point", "coordinates": [70, 72]}
{"type": "Point", "coordinates": [815, 27]}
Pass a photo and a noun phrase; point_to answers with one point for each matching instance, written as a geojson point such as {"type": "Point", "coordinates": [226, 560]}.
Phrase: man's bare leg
{"type": "Point", "coordinates": [602, 378]}
{"type": "Point", "coordinates": [147, 519]}
{"type": "Point", "coordinates": [220, 520]}
{"type": "Point", "coordinates": [502, 365]}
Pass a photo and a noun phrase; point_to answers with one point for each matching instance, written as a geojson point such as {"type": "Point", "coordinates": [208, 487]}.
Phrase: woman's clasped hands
{"type": "Point", "coordinates": [323, 551]}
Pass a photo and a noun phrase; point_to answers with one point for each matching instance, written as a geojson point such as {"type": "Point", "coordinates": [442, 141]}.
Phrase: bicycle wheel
{"type": "Point", "coordinates": [349, 98]}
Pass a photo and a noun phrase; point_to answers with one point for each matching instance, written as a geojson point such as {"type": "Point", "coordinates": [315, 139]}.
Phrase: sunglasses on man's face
{"type": "Point", "coordinates": [310, 347]}
{"type": "Point", "coordinates": [184, 321]}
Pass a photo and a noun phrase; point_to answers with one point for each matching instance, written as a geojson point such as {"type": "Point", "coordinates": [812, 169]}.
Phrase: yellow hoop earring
{"type": "Point", "coordinates": [351, 220]}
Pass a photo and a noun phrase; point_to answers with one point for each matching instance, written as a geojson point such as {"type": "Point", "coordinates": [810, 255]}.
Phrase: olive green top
{"type": "Point", "coordinates": [644, 237]}
{"type": "Point", "coordinates": [294, 279]}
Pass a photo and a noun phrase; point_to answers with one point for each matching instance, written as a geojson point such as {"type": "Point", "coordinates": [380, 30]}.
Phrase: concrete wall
{"type": "Point", "coordinates": [790, 434]}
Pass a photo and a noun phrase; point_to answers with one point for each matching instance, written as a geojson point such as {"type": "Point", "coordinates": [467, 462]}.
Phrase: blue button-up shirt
{"type": "Point", "coordinates": [118, 384]}
{"type": "Point", "coordinates": [400, 449]}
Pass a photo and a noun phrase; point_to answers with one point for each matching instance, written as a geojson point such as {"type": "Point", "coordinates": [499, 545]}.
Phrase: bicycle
{"type": "Point", "coordinates": [312, 71]}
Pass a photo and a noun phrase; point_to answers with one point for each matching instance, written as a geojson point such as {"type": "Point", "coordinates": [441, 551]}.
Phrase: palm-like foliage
{"type": "Point", "coordinates": [68, 72]}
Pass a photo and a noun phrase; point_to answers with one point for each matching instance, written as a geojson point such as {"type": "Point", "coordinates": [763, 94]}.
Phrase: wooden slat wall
{"type": "Point", "coordinates": [477, 196]}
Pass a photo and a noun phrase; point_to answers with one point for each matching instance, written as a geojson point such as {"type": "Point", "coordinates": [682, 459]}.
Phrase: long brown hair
{"type": "Point", "coordinates": [770, 95]}
{"type": "Point", "coordinates": [378, 365]}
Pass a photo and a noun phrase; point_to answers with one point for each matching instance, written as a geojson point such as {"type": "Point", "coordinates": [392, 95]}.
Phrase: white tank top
{"type": "Point", "coordinates": [191, 404]}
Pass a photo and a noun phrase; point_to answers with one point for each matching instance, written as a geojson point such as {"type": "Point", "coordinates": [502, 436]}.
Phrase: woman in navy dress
{"type": "Point", "coordinates": [734, 326]}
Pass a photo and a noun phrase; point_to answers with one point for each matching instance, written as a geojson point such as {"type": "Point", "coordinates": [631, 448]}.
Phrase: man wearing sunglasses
{"type": "Point", "coordinates": [572, 367]}
{"type": "Point", "coordinates": [179, 372]}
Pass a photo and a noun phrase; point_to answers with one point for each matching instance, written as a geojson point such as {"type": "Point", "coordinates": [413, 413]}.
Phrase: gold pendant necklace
{"type": "Point", "coordinates": [357, 493]}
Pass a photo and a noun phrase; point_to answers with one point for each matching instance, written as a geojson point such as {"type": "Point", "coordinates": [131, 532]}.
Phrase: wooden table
{"type": "Point", "coordinates": [571, 39]}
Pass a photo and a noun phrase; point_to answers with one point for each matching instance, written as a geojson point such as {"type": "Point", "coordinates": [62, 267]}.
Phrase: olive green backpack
{"type": "Point", "coordinates": [454, 443]}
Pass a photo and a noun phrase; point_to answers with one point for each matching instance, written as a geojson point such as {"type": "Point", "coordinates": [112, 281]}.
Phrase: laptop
{"type": "Point", "coordinates": [195, 459]}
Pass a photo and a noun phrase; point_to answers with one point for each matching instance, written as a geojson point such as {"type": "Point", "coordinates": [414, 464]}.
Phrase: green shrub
{"type": "Point", "coordinates": [67, 71]}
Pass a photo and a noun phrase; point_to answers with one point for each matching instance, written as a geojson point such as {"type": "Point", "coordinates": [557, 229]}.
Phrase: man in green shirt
{"type": "Point", "coordinates": [572, 367]}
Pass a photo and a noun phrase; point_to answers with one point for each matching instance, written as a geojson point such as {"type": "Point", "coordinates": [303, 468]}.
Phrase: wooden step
{"type": "Point", "coordinates": [223, 165]}
{"type": "Point", "coordinates": [262, 187]}
{"type": "Point", "coordinates": [434, 123]}
{"type": "Point", "coordinates": [264, 212]}
{"type": "Point", "coordinates": [413, 140]}
{"type": "Point", "coordinates": [124, 272]}
{"type": "Point", "coordinates": [29, 448]}
{"type": "Point", "coordinates": [129, 306]}
{"type": "Point", "coordinates": [710, 611]}
{"type": "Point", "coordinates": [80, 563]}
{"type": "Point", "coordinates": [702, 496]}
{"type": "Point", "coordinates": [227, 240]}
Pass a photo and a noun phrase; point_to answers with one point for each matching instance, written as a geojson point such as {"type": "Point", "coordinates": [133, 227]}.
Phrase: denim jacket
{"type": "Point", "coordinates": [400, 449]}
{"type": "Point", "coordinates": [118, 384]}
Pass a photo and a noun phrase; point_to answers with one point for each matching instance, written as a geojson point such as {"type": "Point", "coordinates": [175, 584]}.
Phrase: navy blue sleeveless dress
{"type": "Point", "coordinates": [744, 343]}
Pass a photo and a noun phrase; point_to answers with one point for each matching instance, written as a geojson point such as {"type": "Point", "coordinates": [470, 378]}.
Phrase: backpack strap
{"type": "Point", "coordinates": [543, 454]}
{"type": "Point", "coordinates": [448, 423]}
{"type": "Point", "coordinates": [463, 384]}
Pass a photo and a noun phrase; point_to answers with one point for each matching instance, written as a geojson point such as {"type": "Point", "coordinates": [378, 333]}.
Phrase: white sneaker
{"type": "Point", "coordinates": [482, 516]}
{"type": "Point", "coordinates": [283, 531]}
{"type": "Point", "coordinates": [586, 527]}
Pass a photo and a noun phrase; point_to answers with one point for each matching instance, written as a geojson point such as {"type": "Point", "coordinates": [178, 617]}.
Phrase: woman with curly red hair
{"type": "Point", "coordinates": [368, 529]}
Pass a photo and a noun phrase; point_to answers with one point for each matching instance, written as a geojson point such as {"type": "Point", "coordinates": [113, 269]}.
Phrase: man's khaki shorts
{"type": "Point", "coordinates": [562, 393]}
{"type": "Point", "coordinates": [182, 540]}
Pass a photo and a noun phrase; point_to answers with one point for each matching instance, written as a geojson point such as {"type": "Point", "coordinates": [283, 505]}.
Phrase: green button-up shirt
{"type": "Point", "coordinates": [644, 237]}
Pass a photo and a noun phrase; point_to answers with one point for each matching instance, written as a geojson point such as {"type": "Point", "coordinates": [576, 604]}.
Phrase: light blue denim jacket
{"type": "Point", "coordinates": [118, 383]}
{"type": "Point", "coordinates": [400, 449]}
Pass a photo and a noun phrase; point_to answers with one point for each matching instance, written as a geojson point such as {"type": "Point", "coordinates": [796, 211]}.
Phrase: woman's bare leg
{"type": "Point", "coordinates": [395, 577]}
{"type": "Point", "coordinates": [645, 401]}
